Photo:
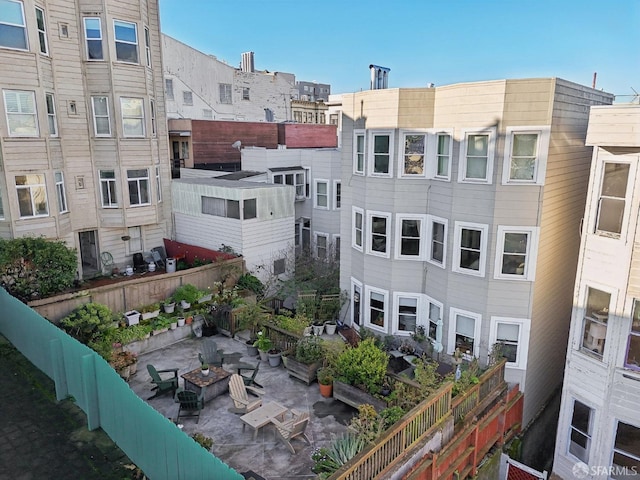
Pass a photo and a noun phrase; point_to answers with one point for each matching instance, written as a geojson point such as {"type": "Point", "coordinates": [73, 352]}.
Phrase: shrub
{"type": "Point", "coordinates": [187, 292]}
{"type": "Point", "coordinates": [204, 441]}
{"type": "Point", "coordinates": [364, 365]}
{"type": "Point", "coordinates": [295, 324]}
{"type": "Point", "coordinates": [391, 415]}
{"type": "Point", "coordinates": [309, 350]}
{"type": "Point", "coordinates": [341, 450]}
{"type": "Point", "coordinates": [91, 324]}
{"type": "Point", "coordinates": [36, 267]}
{"type": "Point", "coordinates": [263, 343]}
{"type": "Point", "coordinates": [251, 282]}
{"type": "Point", "coordinates": [367, 425]}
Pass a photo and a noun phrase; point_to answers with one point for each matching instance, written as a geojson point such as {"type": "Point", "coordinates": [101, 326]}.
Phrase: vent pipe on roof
{"type": "Point", "coordinates": [379, 77]}
{"type": "Point", "coordinates": [247, 62]}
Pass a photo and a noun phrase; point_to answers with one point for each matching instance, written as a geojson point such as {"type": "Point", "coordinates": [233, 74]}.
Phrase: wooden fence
{"type": "Point", "coordinates": [417, 425]}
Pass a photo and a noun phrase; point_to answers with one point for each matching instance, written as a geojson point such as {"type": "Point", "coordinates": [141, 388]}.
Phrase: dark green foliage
{"type": "Point", "coordinates": [309, 350]}
{"type": "Point", "coordinates": [363, 365]}
{"type": "Point", "coordinates": [36, 267]}
{"type": "Point", "coordinates": [91, 324]}
{"type": "Point", "coordinates": [251, 282]}
{"type": "Point", "coordinates": [187, 292]}
{"type": "Point", "coordinates": [341, 450]}
{"type": "Point", "coordinates": [391, 415]}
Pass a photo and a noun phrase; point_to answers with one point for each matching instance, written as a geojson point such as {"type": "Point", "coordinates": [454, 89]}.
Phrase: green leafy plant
{"type": "Point", "coordinates": [263, 343]}
{"type": "Point", "coordinates": [426, 375]}
{"type": "Point", "coordinates": [187, 292]}
{"type": "Point", "coordinates": [368, 424]}
{"type": "Point", "coordinates": [124, 335]}
{"type": "Point", "coordinates": [204, 441]}
{"type": "Point", "coordinates": [248, 281]}
{"type": "Point", "coordinates": [149, 308]}
{"type": "Point", "coordinates": [309, 350]}
{"type": "Point", "coordinates": [342, 449]}
{"type": "Point", "coordinates": [364, 366]}
{"type": "Point", "coordinates": [391, 415]}
{"type": "Point", "coordinates": [204, 366]}
{"type": "Point", "coordinates": [326, 375]}
{"type": "Point", "coordinates": [36, 267]}
{"type": "Point", "coordinates": [295, 324]}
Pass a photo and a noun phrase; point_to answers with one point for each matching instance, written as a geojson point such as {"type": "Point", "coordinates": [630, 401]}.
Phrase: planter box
{"type": "Point", "coordinates": [133, 317]}
{"type": "Point", "coordinates": [302, 371]}
{"type": "Point", "coordinates": [148, 315]}
{"type": "Point", "coordinates": [355, 397]}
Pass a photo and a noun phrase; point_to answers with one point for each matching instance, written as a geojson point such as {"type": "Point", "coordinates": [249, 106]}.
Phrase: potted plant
{"type": "Point", "coordinates": [133, 317]}
{"type": "Point", "coordinates": [248, 318]}
{"type": "Point", "coordinates": [150, 311]}
{"type": "Point", "coordinates": [187, 295]}
{"type": "Point", "coordinates": [169, 305]}
{"type": "Point", "coordinates": [274, 355]}
{"type": "Point", "coordinates": [204, 368]}
{"type": "Point", "coordinates": [325, 381]}
{"type": "Point", "coordinates": [122, 361]}
{"type": "Point", "coordinates": [181, 321]}
{"type": "Point", "coordinates": [330, 327]}
{"type": "Point", "coordinates": [174, 324]}
{"type": "Point", "coordinates": [263, 344]}
{"type": "Point", "coordinates": [318, 327]}
{"type": "Point", "coordinates": [304, 361]}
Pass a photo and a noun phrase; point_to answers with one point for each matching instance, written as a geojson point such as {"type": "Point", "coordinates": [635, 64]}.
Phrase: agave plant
{"type": "Point", "coordinates": [341, 450]}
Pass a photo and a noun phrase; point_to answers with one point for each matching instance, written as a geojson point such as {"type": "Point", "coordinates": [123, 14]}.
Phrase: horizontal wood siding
{"type": "Point", "coordinates": [614, 125]}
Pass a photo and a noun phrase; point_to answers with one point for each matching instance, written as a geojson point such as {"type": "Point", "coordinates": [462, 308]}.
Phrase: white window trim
{"type": "Point", "coordinates": [484, 228]}
{"type": "Point", "coordinates": [367, 306]}
{"type": "Point", "coordinates": [43, 31]}
{"type": "Point", "coordinates": [335, 194]}
{"type": "Point", "coordinates": [425, 163]}
{"type": "Point", "coordinates": [61, 193]}
{"type": "Point", "coordinates": [158, 184]}
{"type": "Point", "coordinates": [363, 235]}
{"type": "Point", "coordinates": [315, 193]}
{"type": "Point", "coordinates": [28, 187]}
{"type": "Point", "coordinates": [147, 46]}
{"type": "Point", "coordinates": [398, 236]}
{"type": "Point", "coordinates": [87, 40]}
{"type": "Point", "coordinates": [327, 244]}
{"type": "Point", "coordinates": [462, 161]}
{"type": "Point", "coordinates": [335, 238]}
{"type": "Point", "coordinates": [429, 245]}
{"type": "Point", "coordinates": [633, 422]}
{"type": "Point", "coordinates": [104, 182]}
{"type": "Point", "coordinates": [369, 157]}
{"type": "Point", "coordinates": [357, 133]}
{"type": "Point", "coordinates": [138, 180]}
{"type": "Point", "coordinates": [592, 422]}
{"type": "Point", "coordinates": [53, 116]}
{"type": "Point", "coordinates": [108, 116]}
{"type": "Point", "coordinates": [357, 283]}
{"type": "Point", "coordinates": [451, 343]}
{"type": "Point", "coordinates": [8, 115]}
{"type": "Point", "coordinates": [142, 118]}
{"type": "Point", "coordinates": [396, 314]}
{"type": "Point", "coordinates": [432, 165]}
{"type": "Point", "coordinates": [531, 255]}
{"type": "Point", "coordinates": [597, 193]}
{"type": "Point", "coordinates": [116, 41]}
{"type": "Point", "coordinates": [24, 29]}
{"type": "Point", "coordinates": [369, 233]}
{"type": "Point", "coordinates": [523, 338]}
{"type": "Point", "coordinates": [152, 114]}
{"type": "Point", "coordinates": [582, 315]}
{"type": "Point", "coordinates": [425, 320]}
{"type": "Point", "coordinates": [544, 135]}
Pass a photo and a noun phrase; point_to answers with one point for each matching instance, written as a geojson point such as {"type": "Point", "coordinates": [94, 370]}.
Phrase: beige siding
{"type": "Point", "coordinates": [618, 125]}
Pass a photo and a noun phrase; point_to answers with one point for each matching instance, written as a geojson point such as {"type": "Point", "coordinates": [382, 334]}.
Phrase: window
{"type": "Point", "coordinates": [297, 116]}
{"type": "Point", "coordinates": [464, 333]}
{"type": "Point", "coordinates": [220, 207]}
{"type": "Point", "coordinates": [306, 233]}
{"type": "Point", "coordinates": [152, 107]}
{"type": "Point", "coordinates": [158, 184]}
{"type": "Point", "coordinates": [322, 194]}
{"type": "Point", "coordinates": [245, 93]}
{"type": "Point", "coordinates": [168, 86]}
{"type": "Point", "coordinates": [132, 117]}
{"type": "Point", "coordinates": [336, 248]}
{"type": "Point", "coordinates": [376, 308]}
{"type": "Point", "coordinates": [60, 193]}
{"type": "Point", "coordinates": [632, 358]}
{"type": "Point", "coordinates": [581, 431]}
{"type": "Point", "coordinates": [93, 38]}
{"type": "Point", "coordinates": [249, 209]}
{"type": "Point", "coordinates": [443, 156]}
{"type": "Point", "coordinates": [409, 236]}
{"type": "Point", "coordinates": [415, 149]}
{"type": "Point", "coordinates": [381, 147]}
{"type": "Point", "coordinates": [135, 240]}
{"type": "Point", "coordinates": [434, 329]}
{"type": "Point", "coordinates": [126, 36]}
{"type": "Point", "coordinates": [612, 199]}
{"type": "Point", "coordinates": [378, 240]}
{"type": "Point", "coordinates": [437, 235]}
{"type": "Point", "coordinates": [138, 187]}
{"type": "Point", "coordinates": [225, 93]}
{"type": "Point", "coordinates": [42, 31]}
{"type": "Point", "coordinates": [32, 195]}
{"type": "Point", "coordinates": [20, 107]}
{"type": "Point", "coordinates": [476, 157]}
{"type": "Point", "coordinates": [108, 188]}
{"type": "Point", "coordinates": [525, 155]}
{"type": "Point", "coordinates": [510, 338]}
{"type": "Point", "coordinates": [470, 248]}
{"type": "Point", "coordinates": [147, 46]}
{"type": "Point", "coordinates": [358, 152]}
{"type": "Point", "coordinates": [13, 30]}
{"type": "Point", "coordinates": [187, 98]}
{"type": "Point", "coordinates": [515, 253]}
{"type": "Point", "coordinates": [594, 331]}
{"type": "Point", "coordinates": [322, 245]}
{"type": "Point", "coordinates": [51, 115]}
{"type": "Point", "coordinates": [406, 313]}
{"type": "Point", "coordinates": [207, 114]}
{"type": "Point", "coordinates": [296, 233]}
{"type": "Point", "coordinates": [333, 119]}
{"type": "Point", "coordinates": [337, 194]}
{"type": "Point", "coordinates": [279, 266]}
{"type": "Point", "coordinates": [101, 121]}
{"type": "Point", "coordinates": [296, 179]}
{"type": "Point", "coordinates": [626, 452]}
{"type": "Point", "coordinates": [357, 229]}
{"type": "Point", "coordinates": [356, 302]}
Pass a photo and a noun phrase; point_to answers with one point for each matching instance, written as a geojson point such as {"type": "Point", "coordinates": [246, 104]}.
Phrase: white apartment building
{"type": "Point", "coordinates": [83, 137]}
{"type": "Point", "coordinates": [460, 212]}
{"type": "Point", "coordinates": [599, 426]}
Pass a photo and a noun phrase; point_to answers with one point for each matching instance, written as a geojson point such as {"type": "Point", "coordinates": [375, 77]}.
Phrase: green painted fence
{"type": "Point", "coordinates": [150, 440]}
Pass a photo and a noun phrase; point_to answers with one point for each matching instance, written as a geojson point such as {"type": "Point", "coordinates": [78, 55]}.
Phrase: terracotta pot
{"type": "Point", "coordinates": [189, 320]}
{"type": "Point", "coordinates": [326, 390]}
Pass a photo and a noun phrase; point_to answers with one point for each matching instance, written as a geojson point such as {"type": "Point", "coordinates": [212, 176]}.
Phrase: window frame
{"type": "Point", "coordinates": [385, 310]}
{"type": "Point", "coordinates": [246, 92]}
{"type": "Point", "coordinates": [370, 157]}
{"type": "Point", "coordinates": [588, 435]}
{"type": "Point", "coordinates": [158, 184]}
{"type": "Point", "coordinates": [431, 219]}
{"type": "Point", "coordinates": [187, 97]}
{"type": "Point", "coordinates": [633, 335]}
{"type": "Point", "coordinates": [96, 116]}
{"type": "Point", "coordinates": [484, 229]}
{"type": "Point", "coordinates": [524, 331]}
{"type": "Point", "coordinates": [357, 154]}
{"type": "Point", "coordinates": [317, 194]}
{"type": "Point", "coordinates": [462, 162]}
{"type": "Point", "coordinates": [139, 119]}
{"type": "Point", "coordinates": [124, 23]}
{"type": "Point", "coordinates": [52, 119]}
{"type": "Point", "coordinates": [354, 229]}
{"type": "Point", "coordinates": [111, 189]}
{"type": "Point", "coordinates": [147, 46]}
{"type": "Point", "coordinates": [61, 195]}
{"type": "Point", "coordinates": [152, 113]}
{"type": "Point", "coordinates": [436, 155]}
{"type": "Point", "coordinates": [425, 154]}
{"type": "Point", "coordinates": [139, 181]}
{"type": "Point", "coordinates": [529, 272]}
{"type": "Point", "coordinates": [436, 340]}
{"type": "Point", "coordinates": [135, 235]}
{"type": "Point", "coordinates": [327, 245]}
{"type": "Point", "coordinates": [598, 198]}
{"type": "Point", "coordinates": [87, 39]}
{"type": "Point", "coordinates": [596, 318]}
{"type": "Point", "coordinates": [396, 312]}
{"type": "Point", "coordinates": [453, 323]}
{"type": "Point", "coordinates": [34, 114]}
{"type": "Point", "coordinates": [227, 98]}
{"type": "Point", "coordinates": [29, 187]}
{"type": "Point", "coordinates": [400, 218]}
{"type": "Point", "coordinates": [168, 88]}
{"type": "Point", "coordinates": [356, 284]}
{"type": "Point", "coordinates": [23, 26]}
{"type": "Point", "coordinates": [542, 146]}
{"type": "Point", "coordinates": [629, 455]}
{"type": "Point", "coordinates": [337, 194]}
{"type": "Point", "coordinates": [42, 32]}
{"type": "Point", "coordinates": [387, 234]}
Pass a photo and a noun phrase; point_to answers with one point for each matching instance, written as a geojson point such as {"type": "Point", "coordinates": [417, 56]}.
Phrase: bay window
{"type": "Point", "coordinates": [415, 150]}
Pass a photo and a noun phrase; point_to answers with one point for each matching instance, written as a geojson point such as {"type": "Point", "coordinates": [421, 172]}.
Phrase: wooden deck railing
{"type": "Point", "coordinates": [282, 339]}
{"type": "Point", "coordinates": [417, 425]}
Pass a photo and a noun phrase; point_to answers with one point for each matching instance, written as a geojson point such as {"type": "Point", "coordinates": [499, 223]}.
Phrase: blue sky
{"type": "Point", "coordinates": [422, 41]}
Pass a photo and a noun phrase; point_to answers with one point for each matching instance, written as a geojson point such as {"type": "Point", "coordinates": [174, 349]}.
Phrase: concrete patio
{"type": "Point", "coordinates": [267, 456]}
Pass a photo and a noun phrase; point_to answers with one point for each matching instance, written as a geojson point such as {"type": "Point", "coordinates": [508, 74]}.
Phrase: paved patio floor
{"type": "Point", "coordinates": [266, 455]}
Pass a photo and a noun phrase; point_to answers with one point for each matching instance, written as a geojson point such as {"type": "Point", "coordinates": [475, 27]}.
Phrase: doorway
{"type": "Point", "coordinates": [89, 253]}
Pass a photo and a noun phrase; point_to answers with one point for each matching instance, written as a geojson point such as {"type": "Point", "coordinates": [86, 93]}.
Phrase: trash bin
{"type": "Point", "coordinates": [171, 265]}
